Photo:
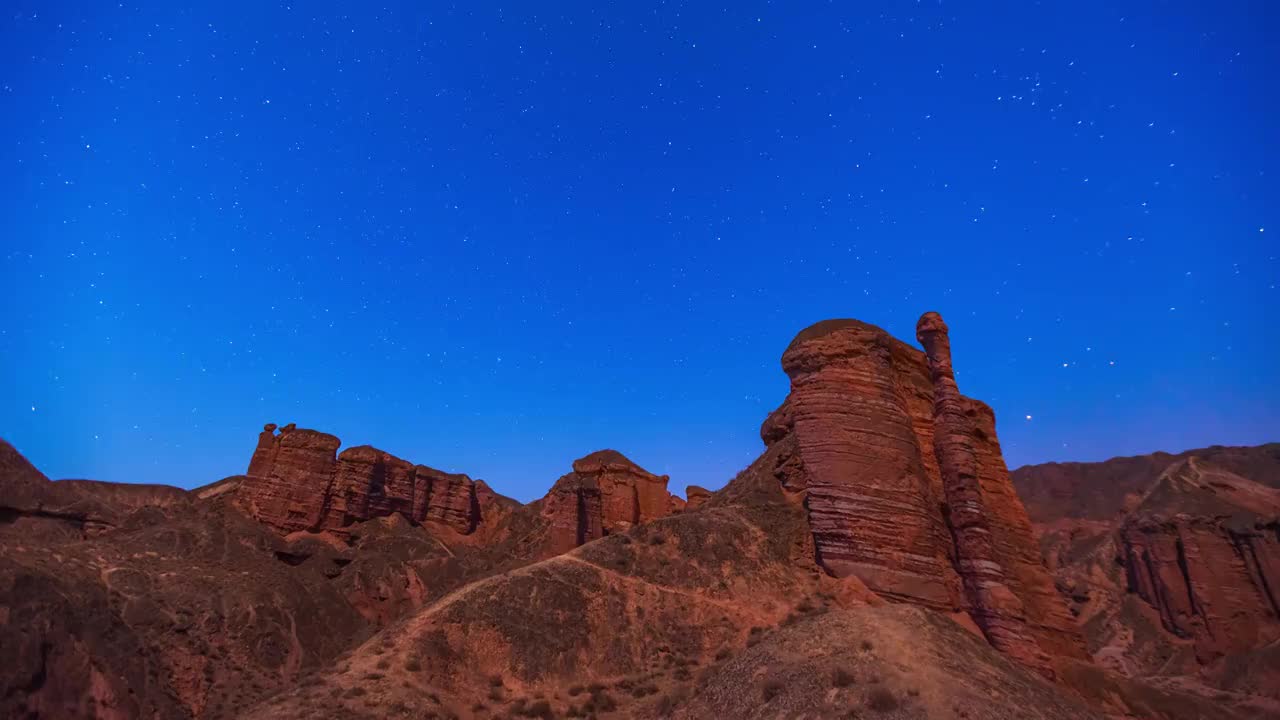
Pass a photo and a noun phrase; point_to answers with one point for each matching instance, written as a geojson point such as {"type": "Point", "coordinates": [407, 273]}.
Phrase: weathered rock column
{"type": "Point", "coordinates": [264, 456]}
{"type": "Point", "coordinates": [869, 501]}
{"type": "Point", "coordinates": [994, 607]}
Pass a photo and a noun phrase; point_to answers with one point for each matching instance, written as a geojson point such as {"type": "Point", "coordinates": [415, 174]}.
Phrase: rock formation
{"type": "Point", "coordinates": [296, 482]}
{"type": "Point", "coordinates": [906, 488]}
{"type": "Point", "coordinates": [605, 494]}
{"type": "Point", "coordinates": [806, 587]}
{"type": "Point", "coordinates": [695, 496]}
{"type": "Point", "coordinates": [992, 604]}
{"type": "Point", "coordinates": [1170, 562]}
{"type": "Point", "coordinates": [1203, 549]}
{"type": "Point", "coordinates": [872, 506]}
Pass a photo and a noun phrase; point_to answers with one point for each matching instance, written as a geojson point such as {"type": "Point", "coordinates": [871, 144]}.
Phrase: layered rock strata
{"type": "Point", "coordinates": [905, 486]}
{"type": "Point", "coordinates": [297, 481]}
{"type": "Point", "coordinates": [993, 606]}
{"type": "Point", "coordinates": [605, 494]}
{"type": "Point", "coordinates": [1203, 550]}
{"type": "Point", "coordinates": [695, 497]}
{"type": "Point", "coordinates": [872, 506]}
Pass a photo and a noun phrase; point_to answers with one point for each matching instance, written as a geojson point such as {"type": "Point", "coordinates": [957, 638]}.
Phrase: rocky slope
{"type": "Point", "coordinates": [1177, 584]}
{"type": "Point", "coordinates": [874, 560]}
{"type": "Point", "coordinates": [1101, 490]}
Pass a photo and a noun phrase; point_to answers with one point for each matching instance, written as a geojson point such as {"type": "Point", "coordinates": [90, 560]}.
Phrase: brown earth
{"type": "Point", "coordinates": [874, 561]}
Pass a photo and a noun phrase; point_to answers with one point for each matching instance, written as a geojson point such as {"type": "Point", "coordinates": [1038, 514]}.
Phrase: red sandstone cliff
{"type": "Point", "coordinates": [905, 486]}
{"type": "Point", "coordinates": [695, 497]}
{"type": "Point", "coordinates": [296, 481]}
{"type": "Point", "coordinates": [605, 494]}
{"type": "Point", "coordinates": [1201, 548]}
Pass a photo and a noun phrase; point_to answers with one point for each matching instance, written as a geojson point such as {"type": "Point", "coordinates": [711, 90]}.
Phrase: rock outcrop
{"type": "Point", "coordinates": [297, 481]}
{"type": "Point", "coordinates": [968, 511]}
{"type": "Point", "coordinates": [605, 494]}
{"type": "Point", "coordinates": [32, 505]}
{"type": "Point", "coordinates": [1170, 562]}
{"type": "Point", "coordinates": [695, 497]}
{"type": "Point", "coordinates": [906, 488]}
{"type": "Point", "coordinates": [1203, 549]}
{"type": "Point", "coordinates": [873, 507]}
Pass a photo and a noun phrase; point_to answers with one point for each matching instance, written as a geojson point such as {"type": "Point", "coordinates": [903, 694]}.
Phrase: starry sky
{"type": "Point", "coordinates": [494, 238]}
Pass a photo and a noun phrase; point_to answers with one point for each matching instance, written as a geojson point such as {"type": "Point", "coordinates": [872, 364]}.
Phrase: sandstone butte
{"type": "Point", "coordinates": [906, 487]}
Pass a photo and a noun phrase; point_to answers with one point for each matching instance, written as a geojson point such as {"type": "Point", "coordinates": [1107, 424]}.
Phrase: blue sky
{"type": "Point", "coordinates": [494, 239]}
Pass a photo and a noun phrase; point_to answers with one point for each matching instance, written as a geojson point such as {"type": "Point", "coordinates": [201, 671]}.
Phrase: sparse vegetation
{"type": "Point", "coordinates": [842, 678]}
{"type": "Point", "coordinates": [538, 709]}
{"type": "Point", "coordinates": [670, 702]}
{"type": "Point", "coordinates": [643, 690]}
{"type": "Point", "coordinates": [866, 645]}
{"type": "Point", "coordinates": [600, 701]}
{"type": "Point", "coordinates": [881, 700]}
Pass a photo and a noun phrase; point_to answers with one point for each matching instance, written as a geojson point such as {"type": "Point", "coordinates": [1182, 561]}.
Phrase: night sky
{"type": "Point", "coordinates": [494, 239]}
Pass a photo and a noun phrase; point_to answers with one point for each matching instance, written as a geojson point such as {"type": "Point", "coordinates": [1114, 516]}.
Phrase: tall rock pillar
{"type": "Point", "coordinates": [993, 605]}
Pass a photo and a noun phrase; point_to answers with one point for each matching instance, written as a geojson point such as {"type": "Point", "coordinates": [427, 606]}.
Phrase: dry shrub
{"type": "Point", "coordinates": [881, 700]}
